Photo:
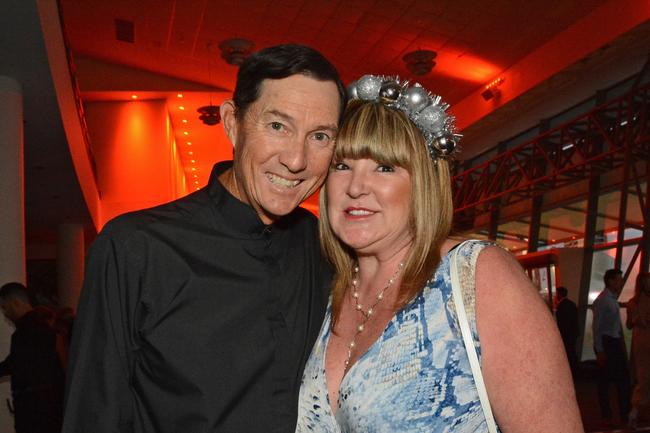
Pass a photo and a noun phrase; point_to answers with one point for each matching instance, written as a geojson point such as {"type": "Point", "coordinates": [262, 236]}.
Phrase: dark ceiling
{"type": "Point", "coordinates": [176, 40]}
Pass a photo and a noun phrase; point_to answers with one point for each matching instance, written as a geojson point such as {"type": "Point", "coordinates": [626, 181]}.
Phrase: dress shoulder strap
{"type": "Point", "coordinates": [468, 252]}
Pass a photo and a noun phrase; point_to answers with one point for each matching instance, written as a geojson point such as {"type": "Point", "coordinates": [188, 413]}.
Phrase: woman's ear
{"type": "Point", "coordinates": [229, 119]}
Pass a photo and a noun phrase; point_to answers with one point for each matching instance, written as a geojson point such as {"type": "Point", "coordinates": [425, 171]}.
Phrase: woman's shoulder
{"type": "Point", "coordinates": [469, 249]}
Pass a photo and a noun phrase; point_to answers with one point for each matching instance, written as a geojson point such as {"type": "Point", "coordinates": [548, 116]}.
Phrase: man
{"type": "Point", "coordinates": [198, 315]}
{"type": "Point", "coordinates": [33, 363]}
{"type": "Point", "coordinates": [609, 346]}
{"type": "Point", "coordinates": [566, 314]}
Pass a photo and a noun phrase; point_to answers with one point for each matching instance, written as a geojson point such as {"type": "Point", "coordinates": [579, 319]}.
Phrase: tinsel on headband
{"type": "Point", "coordinates": [427, 111]}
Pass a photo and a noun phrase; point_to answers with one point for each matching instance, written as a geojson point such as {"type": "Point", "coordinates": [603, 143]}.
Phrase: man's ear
{"type": "Point", "coordinates": [227, 111]}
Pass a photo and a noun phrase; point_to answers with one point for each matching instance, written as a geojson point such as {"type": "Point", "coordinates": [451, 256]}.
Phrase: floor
{"type": "Point", "coordinates": [588, 402]}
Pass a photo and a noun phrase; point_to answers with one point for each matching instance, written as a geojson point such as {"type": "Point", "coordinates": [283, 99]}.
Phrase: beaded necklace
{"type": "Point", "coordinates": [366, 313]}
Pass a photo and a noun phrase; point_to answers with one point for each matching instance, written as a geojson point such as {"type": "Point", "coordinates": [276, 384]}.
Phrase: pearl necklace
{"type": "Point", "coordinates": [368, 313]}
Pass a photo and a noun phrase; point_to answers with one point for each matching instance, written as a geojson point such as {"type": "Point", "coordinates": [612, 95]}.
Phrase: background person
{"type": "Point", "coordinates": [37, 376]}
{"type": "Point", "coordinates": [566, 315]}
{"type": "Point", "coordinates": [638, 320]}
{"type": "Point", "coordinates": [609, 345]}
{"type": "Point", "coordinates": [390, 357]}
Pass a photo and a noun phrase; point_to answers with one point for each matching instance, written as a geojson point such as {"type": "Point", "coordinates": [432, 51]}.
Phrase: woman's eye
{"type": "Point", "coordinates": [384, 168]}
{"type": "Point", "coordinates": [340, 166]}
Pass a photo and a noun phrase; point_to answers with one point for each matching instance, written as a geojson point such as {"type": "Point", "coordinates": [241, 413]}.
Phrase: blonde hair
{"type": "Point", "coordinates": [372, 130]}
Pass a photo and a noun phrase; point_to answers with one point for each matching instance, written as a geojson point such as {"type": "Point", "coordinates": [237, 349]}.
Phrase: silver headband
{"type": "Point", "coordinates": [427, 111]}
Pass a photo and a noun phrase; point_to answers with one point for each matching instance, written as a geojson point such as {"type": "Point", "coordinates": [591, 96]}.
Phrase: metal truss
{"type": "Point", "coordinates": [587, 146]}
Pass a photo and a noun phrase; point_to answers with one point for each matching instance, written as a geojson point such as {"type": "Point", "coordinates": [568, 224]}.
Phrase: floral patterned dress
{"type": "Point", "coordinates": [415, 378]}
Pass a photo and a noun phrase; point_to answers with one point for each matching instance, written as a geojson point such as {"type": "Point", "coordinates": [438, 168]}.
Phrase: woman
{"type": "Point", "coordinates": [638, 320]}
{"type": "Point", "coordinates": [390, 357]}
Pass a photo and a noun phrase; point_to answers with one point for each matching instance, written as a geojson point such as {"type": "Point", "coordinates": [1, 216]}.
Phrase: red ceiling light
{"type": "Point", "coordinates": [492, 89]}
{"type": "Point", "coordinates": [235, 51]}
{"type": "Point", "coordinates": [420, 62]}
{"type": "Point", "coordinates": [209, 114]}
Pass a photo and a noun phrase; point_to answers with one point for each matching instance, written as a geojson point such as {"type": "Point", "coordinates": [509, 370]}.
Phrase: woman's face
{"type": "Point", "coordinates": [369, 205]}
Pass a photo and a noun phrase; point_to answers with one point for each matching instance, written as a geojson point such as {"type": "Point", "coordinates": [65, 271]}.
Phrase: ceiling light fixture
{"type": "Point", "coordinates": [492, 89]}
{"type": "Point", "coordinates": [209, 114]}
{"type": "Point", "coordinates": [420, 62]}
{"type": "Point", "coordinates": [236, 50]}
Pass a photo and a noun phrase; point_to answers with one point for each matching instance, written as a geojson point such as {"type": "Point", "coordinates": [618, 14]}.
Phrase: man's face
{"type": "Point", "coordinates": [616, 284]}
{"type": "Point", "coordinates": [8, 309]}
{"type": "Point", "coordinates": [284, 144]}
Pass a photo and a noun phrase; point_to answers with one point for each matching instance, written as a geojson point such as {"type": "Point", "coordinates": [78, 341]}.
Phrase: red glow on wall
{"type": "Point", "coordinates": [137, 160]}
{"type": "Point", "coordinates": [465, 67]}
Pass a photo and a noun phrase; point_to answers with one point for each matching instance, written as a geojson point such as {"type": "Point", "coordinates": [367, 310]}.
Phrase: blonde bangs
{"type": "Point", "coordinates": [375, 132]}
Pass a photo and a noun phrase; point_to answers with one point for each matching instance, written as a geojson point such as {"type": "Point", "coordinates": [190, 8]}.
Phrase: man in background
{"type": "Point", "coordinates": [609, 345]}
{"type": "Point", "coordinates": [566, 314]}
{"type": "Point", "coordinates": [37, 376]}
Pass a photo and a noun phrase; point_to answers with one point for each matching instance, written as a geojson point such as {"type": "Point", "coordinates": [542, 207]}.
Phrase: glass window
{"type": "Point", "coordinates": [561, 225]}
{"type": "Point", "coordinates": [513, 235]}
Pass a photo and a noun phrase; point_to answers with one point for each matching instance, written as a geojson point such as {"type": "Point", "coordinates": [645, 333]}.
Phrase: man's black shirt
{"type": "Point", "coordinates": [196, 317]}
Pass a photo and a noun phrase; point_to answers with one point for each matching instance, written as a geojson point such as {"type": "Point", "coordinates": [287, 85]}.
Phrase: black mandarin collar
{"type": "Point", "coordinates": [239, 215]}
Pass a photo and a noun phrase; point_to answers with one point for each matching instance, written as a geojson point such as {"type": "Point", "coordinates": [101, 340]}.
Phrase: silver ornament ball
{"type": "Point", "coordinates": [389, 92]}
{"type": "Point", "coordinates": [352, 90]}
{"type": "Point", "coordinates": [431, 118]}
{"type": "Point", "coordinates": [445, 144]}
{"type": "Point", "coordinates": [368, 87]}
{"type": "Point", "coordinates": [416, 98]}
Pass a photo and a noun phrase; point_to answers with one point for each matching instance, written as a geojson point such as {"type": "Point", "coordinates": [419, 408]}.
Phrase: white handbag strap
{"type": "Point", "coordinates": [469, 341]}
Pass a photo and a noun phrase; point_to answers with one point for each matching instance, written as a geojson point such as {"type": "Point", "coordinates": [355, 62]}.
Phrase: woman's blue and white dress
{"type": "Point", "coordinates": [415, 378]}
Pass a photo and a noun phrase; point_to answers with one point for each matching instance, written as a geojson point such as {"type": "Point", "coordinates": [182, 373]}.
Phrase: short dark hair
{"type": "Point", "coordinates": [562, 291]}
{"type": "Point", "coordinates": [282, 61]}
{"type": "Point", "coordinates": [610, 274]}
{"type": "Point", "coordinates": [14, 290]}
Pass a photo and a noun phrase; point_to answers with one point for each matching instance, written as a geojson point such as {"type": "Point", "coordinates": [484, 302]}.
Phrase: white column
{"type": "Point", "coordinates": [12, 213]}
{"type": "Point", "coordinates": [70, 264]}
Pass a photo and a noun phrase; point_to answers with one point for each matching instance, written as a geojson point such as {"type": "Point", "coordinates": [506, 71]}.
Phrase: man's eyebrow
{"type": "Point", "coordinates": [328, 127]}
{"type": "Point", "coordinates": [287, 118]}
{"type": "Point", "coordinates": [280, 114]}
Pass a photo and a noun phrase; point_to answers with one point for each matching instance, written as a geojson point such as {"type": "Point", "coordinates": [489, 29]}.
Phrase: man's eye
{"type": "Point", "coordinates": [277, 126]}
{"type": "Point", "coordinates": [321, 136]}
{"type": "Point", "coordinates": [385, 168]}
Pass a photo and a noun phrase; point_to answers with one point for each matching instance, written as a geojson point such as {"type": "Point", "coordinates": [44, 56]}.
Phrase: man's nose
{"type": "Point", "coordinates": [294, 155]}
